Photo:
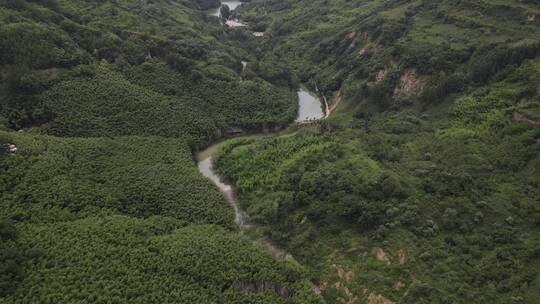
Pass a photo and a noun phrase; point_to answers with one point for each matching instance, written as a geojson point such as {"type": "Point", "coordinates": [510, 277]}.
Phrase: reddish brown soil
{"type": "Point", "coordinates": [518, 117]}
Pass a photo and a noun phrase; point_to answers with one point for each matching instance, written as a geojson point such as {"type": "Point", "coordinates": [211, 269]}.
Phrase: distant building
{"type": "Point", "coordinates": [235, 23]}
{"type": "Point", "coordinates": [12, 148]}
{"type": "Point", "coordinates": [258, 34]}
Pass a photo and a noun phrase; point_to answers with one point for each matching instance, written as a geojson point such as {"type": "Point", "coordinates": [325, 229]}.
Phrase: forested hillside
{"type": "Point", "coordinates": [78, 68]}
{"type": "Point", "coordinates": [101, 106]}
{"type": "Point", "coordinates": [423, 186]}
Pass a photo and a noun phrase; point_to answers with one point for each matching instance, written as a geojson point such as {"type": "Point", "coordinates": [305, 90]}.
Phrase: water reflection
{"type": "Point", "coordinates": [310, 107]}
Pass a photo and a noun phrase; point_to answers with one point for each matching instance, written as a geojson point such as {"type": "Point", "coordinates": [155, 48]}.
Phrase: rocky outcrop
{"type": "Point", "coordinates": [12, 148]}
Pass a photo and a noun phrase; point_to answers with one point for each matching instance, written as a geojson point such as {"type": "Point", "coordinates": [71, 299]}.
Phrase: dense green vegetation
{"type": "Point", "coordinates": [423, 186]}
{"type": "Point", "coordinates": [101, 199]}
{"type": "Point", "coordinates": [136, 176]}
{"type": "Point", "coordinates": [223, 96]}
{"type": "Point", "coordinates": [107, 104]}
{"type": "Point", "coordinates": [328, 42]}
{"type": "Point", "coordinates": [116, 219]}
{"type": "Point", "coordinates": [109, 71]}
{"type": "Point", "coordinates": [125, 260]}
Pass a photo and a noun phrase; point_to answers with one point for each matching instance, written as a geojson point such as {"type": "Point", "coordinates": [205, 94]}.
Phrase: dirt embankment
{"type": "Point", "coordinates": [331, 108]}
{"type": "Point", "coordinates": [519, 117]}
{"type": "Point", "coordinates": [380, 255]}
{"type": "Point", "coordinates": [381, 75]}
{"type": "Point", "coordinates": [410, 84]}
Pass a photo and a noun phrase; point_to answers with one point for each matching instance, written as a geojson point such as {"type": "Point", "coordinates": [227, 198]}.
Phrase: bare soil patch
{"type": "Point", "coordinates": [410, 84]}
{"type": "Point", "coordinates": [380, 255]}
{"type": "Point", "coordinates": [378, 299]}
{"type": "Point", "coordinates": [519, 117]}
